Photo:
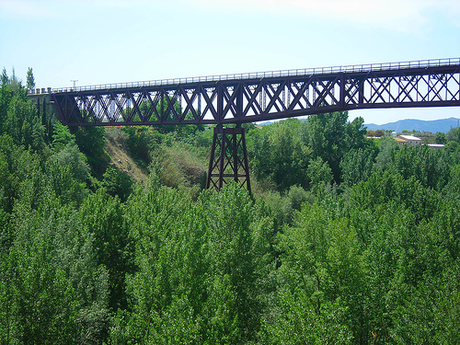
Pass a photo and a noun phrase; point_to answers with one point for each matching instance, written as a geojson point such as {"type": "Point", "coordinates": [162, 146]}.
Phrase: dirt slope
{"type": "Point", "coordinates": [119, 154]}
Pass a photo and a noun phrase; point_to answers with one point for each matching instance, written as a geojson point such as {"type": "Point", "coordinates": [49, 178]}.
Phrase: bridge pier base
{"type": "Point", "coordinates": [229, 159]}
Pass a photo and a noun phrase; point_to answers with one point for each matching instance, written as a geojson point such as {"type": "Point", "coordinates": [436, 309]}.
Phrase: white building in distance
{"type": "Point", "coordinates": [410, 140]}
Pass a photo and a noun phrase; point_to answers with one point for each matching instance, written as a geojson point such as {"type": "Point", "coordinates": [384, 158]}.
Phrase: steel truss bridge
{"type": "Point", "coordinates": [254, 97]}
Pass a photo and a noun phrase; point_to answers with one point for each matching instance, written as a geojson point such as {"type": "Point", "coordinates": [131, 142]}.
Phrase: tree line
{"type": "Point", "coordinates": [345, 240]}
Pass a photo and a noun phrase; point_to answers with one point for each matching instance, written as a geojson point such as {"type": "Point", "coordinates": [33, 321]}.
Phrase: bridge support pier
{"type": "Point", "coordinates": [229, 159]}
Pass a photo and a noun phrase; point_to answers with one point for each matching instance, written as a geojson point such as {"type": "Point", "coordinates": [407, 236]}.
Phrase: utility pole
{"type": "Point", "coordinates": [74, 83]}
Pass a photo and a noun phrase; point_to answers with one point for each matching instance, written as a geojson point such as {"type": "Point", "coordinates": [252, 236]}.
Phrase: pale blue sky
{"type": "Point", "coordinates": [109, 41]}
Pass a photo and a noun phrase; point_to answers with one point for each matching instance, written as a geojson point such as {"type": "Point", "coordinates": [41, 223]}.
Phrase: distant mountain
{"type": "Point", "coordinates": [419, 125]}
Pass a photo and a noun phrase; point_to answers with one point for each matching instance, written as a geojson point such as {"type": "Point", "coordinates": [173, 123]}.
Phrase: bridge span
{"type": "Point", "coordinates": [254, 97]}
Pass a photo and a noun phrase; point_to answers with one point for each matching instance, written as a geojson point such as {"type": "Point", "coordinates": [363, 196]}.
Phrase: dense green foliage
{"type": "Point", "coordinates": [346, 240]}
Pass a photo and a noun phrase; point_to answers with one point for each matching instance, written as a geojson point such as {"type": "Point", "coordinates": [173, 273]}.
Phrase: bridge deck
{"type": "Point", "coordinates": [252, 97]}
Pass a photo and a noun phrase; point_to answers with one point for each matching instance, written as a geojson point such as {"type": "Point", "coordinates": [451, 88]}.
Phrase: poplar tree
{"type": "Point", "coordinates": [30, 79]}
{"type": "Point", "coordinates": [4, 78]}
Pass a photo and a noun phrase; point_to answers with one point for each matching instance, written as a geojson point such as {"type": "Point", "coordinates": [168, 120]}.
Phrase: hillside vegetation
{"type": "Point", "coordinates": [107, 235]}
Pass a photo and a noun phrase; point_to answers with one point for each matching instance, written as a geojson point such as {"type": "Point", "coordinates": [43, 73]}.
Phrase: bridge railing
{"type": "Point", "coordinates": [272, 74]}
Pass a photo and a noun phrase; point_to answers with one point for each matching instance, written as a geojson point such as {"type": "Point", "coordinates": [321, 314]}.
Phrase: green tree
{"type": "Point", "coordinates": [23, 124]}
{"type": "Point", "coordinates": [440, 138]}
{"type": "Point", "coordinates": [289, 158]}
{"type": "Point", "coordinates": [197, 273]}
{"type": "Point", "coordinates": [117, 183]}
{"type": "Point", "coordinates": [259, 151]}
{"type": "Point", "coordinates": [384, 156]}
{"type": "Point", "coordinates": [22, 172]}
{"type": "Point", "coordinates": [379, 133]}
{"type": "Point", "coordinates": [4, 78]}
{"type": "Point", "coordinates": [309, 309]}
{"type": "Point", "coordinates": [452, 188]}
{"type": "Point", "coordinates": [430, 167]}
{"type": "Point", "coordinates": [68, 174]}
{"type": "Point", "coordinates": [234, 310]}
{"type": "Point", "coordinates": [91, 141]}
{"type": "Point", "coordinates": [142, 141]}
{"type": "Point", "coordinates": [167, 290]}
{"type": "Point", "coordinates": [102, 216]}
{"type": "Point", "coordinates": [330, 136]}
{"type": "Point", "coordinates": [15, 83]}
{"type": "Point", "coordinates": [453, 134]}
{"type": "Point", "coordinates": [357, 165]}
{"type": "Point", "coordinates": [320, 175]}
{"type": "Point", "coordinates": [297, 196]}
{"type": "Point", "coordinates": [30, 79]}
{"type": "Point", "coordinates": [62, 136]}
{"type": "Point", "coordinates": [277, 154]}
{"type": "Point", "coordinates": [70, 155]}
{"type": "Point", "coordinates": [43, 302]}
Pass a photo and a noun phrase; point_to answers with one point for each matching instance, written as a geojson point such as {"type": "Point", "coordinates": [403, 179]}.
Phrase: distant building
{"type": "Point", "coordinates": [400, 141]}
{"type": "Point", "coordinates": [410, 140]}
{"type": "Point", "coordinates": [436, 146]}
